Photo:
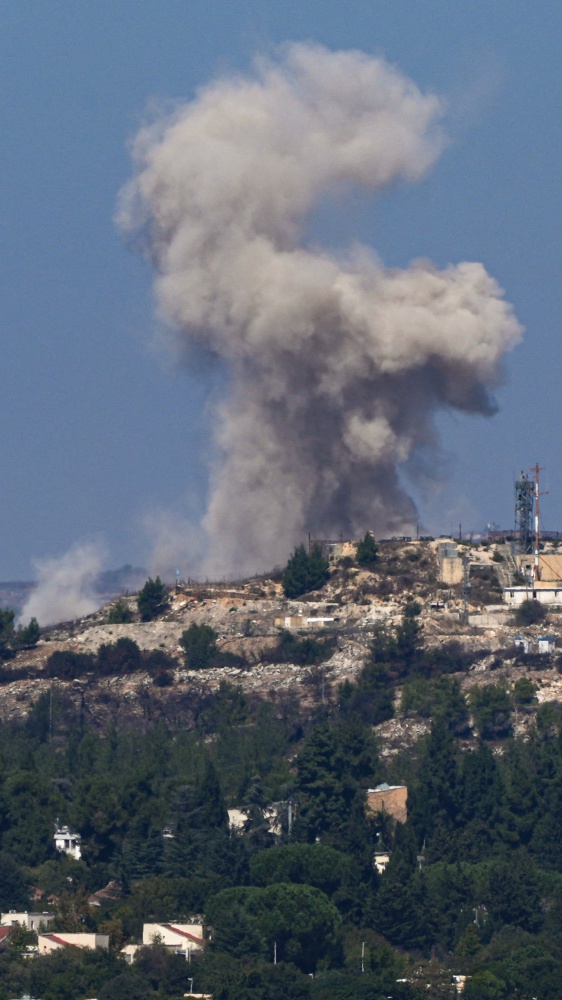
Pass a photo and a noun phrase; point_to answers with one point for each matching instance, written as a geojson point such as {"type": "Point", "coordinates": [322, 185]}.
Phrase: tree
{"type": "Point", "coordinates": [200, 645]}
{"type": "Point", "coordinates": [367, 551]}
{"type": "Point", "coordinates": [29, 635]}
{"type": "Point", "coordinates": [304, 864]}
{"type": "Point", "coordinates": [298, 920]}
{"type": "Point", "coordinates": [121, 657]}
{"type": "Point", "coordinates": [152, 599]}
{"type": "Point", "coordinates": [305, 571]}
{"type": "Point", "coordinates": [491, 707]}
{"type": "Point", "coordinates": [530, 613]}
{"type": "Point", "coordinates": [13, 890]}
{"type": "Point", "coordinates": [119, 613]}
{"type": "Point", "coordinates": [7, 617]}
{"type": "Point", "coordinates": [524, 692]}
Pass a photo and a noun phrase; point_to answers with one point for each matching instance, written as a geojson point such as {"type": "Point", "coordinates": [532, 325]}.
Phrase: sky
{"type": "Point", "coordinates": [104, 433]}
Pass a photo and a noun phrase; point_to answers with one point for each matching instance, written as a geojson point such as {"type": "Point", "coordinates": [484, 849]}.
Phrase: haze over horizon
{"type": "Point", "coordinates": [108, 437]}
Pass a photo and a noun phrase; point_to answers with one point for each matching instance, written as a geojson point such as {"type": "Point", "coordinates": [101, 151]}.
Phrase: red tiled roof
{"type": "Point", "coordinates": [57, 940]}
{"type": "Point", "coordinates": [185, 934]}
{"type": "Point", "coordinates": [4, 931]}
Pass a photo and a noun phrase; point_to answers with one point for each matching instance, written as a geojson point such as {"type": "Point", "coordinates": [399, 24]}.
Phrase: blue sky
{"type": "Point", "coordinates": [99, 430]}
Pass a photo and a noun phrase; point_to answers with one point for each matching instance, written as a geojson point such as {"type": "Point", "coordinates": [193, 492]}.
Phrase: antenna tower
{"type": "Point", "coordinates": [537, 470]}
{"type": "Point", "coordinates": [525, 500]}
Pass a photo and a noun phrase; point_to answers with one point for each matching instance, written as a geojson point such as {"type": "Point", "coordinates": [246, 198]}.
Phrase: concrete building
{"type": "Point", "coordinates": [31, 921]}
{"type": "Point", "coordinates": [68, 842]}
{"type": "Point", "coordinates": [451, 568]}
{"type": "Point", "coordinates": [389, 799]}
{"type": "Point", "coordinates": [539, 590]}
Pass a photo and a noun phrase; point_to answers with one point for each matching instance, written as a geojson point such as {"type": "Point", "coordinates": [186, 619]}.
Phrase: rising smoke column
{"type": "Point", "coordinates": [336, 366]}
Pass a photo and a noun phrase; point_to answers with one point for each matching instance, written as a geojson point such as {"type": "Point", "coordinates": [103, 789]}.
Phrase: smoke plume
{"type": "Point", "coordinates": [337, 366]}
{"type": "Point", "coordinates": [65, 586]}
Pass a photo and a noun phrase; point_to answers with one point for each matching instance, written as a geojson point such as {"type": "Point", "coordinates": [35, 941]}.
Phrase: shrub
{"type": "Point", "coordinates": [157, 661]}
{"type": "Point", "coordinates": [304, 652]}
{"type": "Point", "coordinates": [67, 665]}
{"type": "Point", "coordinates": [163, 679]}
{"type": "Point", "coordinates": [121, 657]}
{"type": "Point", "coordinates": [120, 613]}
{"type": "Point", "coordinates": [530, 612]}
{"type": "Point", "coordinates": [200, 645]}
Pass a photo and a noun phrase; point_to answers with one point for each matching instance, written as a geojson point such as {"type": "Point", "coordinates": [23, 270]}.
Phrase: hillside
{"type": "Point", "coordinates": [357, 793]}
{"type": "Point", "coordinates": [249, 618]}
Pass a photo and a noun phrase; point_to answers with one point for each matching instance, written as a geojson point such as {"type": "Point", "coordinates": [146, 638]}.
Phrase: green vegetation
{"type": "Point", "coordinates": [11, 638]}
{"type": "Point", "coordinates": [200, 645]}
{"type": "Point", "coordinates": [305, 571]}
{"type": "Point", "coordinates": [367, 552]}
{"type": "Point", "coordinates": [152, 599]}
{"type": "Point", "coordinates": [530, 613]}
{"type": "Point", "coordinates": [119, 613]}
{"type": "Point", "coordinates": [491, 707]}
{"type": "Point", "coordinates": [474, 882]}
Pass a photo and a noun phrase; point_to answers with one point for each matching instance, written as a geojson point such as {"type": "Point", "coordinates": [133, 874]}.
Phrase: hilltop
{"type": "Point", "coordinates": [344, 615]}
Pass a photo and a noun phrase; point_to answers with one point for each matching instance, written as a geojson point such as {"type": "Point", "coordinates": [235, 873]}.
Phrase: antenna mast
{"type": "Point", "coordinates": [537, 470]}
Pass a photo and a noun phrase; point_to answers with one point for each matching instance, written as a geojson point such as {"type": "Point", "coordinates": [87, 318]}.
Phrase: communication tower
{"type": "Point", "coordinates": [524, 504]}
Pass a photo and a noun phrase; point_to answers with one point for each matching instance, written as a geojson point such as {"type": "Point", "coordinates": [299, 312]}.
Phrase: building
{"type": "Point", "coordinates": [451, 569]}
{"type": "Point", "coordinates": [181, 939]}
{"type": "Point", "coordinates": [47, 943]}
{"type": "Point", "coordinates": [539, 590]}
{"type": "Point", "coordinates": [381, 860]}
{"type": "Point", "coordinates": [68, 842]}
{"type": "Point", "coordinates": [300, 621]}
{"type": "Point", "coordinates": [389, 799]}
{"type": "Point", "coordinates": [31, 921]}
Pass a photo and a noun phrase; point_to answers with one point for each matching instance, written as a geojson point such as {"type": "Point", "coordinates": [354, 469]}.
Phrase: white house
{"type": "Point", "coordinates": [182, 939]}
{"type": "Point", "coordinates": [547, 644]}
{"type": "Point", "coordinates": [68, 842]}
{"type": "Point", "coordinates": [48, 943]}
{"type": "Point", "coordinates": [31, 921]}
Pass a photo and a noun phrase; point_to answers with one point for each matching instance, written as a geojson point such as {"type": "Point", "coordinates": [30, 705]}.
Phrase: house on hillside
{"type": "Point", "coordinates": [48, 943]}
{"type": "Point", "coordinates": [68, 842]}
{"type": "Point", "coordinates": [181, 939]}
{"type": "Point", "coordinates": [389, 799]}
{"type": "Point", "coordinates": [31, 921]}
{"type": "Point", "coordinates": [110, 894]}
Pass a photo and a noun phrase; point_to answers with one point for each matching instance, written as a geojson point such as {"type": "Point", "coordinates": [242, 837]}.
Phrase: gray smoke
{"type": "Point", "coordinates": [337, 366]}
{"type": "Point", "coordinates": [66, 585]}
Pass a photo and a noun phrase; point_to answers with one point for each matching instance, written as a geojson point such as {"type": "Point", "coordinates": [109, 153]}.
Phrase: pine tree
{"type": "Point", "coordinates": [305, 572]}
{"type": "Point", "coordinates": [367, 552]}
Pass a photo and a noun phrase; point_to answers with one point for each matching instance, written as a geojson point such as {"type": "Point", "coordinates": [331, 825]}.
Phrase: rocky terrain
{"type": "Point", "coordinates": [248, 619]}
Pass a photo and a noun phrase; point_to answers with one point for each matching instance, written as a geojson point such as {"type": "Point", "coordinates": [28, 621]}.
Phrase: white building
{"type": "Point", "coordinates": [47, 943]}
{"type": "Point", "coordinates": [182, 939]}
{"type": "Point", "coordinates": [545, 593]}
{"type": "Point", "coordinates": [68, 842]}
{"type": "Point", "coordinates": [31, 921]}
